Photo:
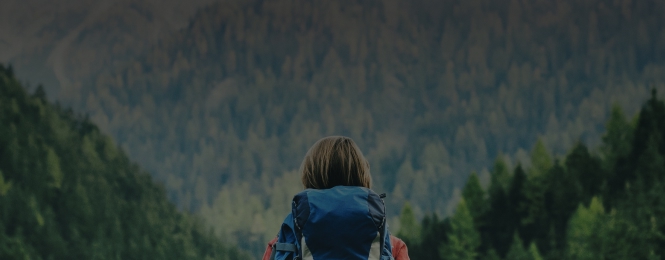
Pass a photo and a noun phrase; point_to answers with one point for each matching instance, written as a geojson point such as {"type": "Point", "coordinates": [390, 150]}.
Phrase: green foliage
{"type": "Point", "coordinates": [53, 167]}
{"type": "Point", "coordinates": [500, 176]}
{"type": "Point", "coordinates": [239, 94]}
{"type": "Point", "coordinates": [474, 195]}
{"type": "Point", "coordinates": [517, 251]}
{"type": "Point", "coordinates": [463, 239]}
{"type": "Point", "coordinates": [409, 229]}
{"type": "Point", "coordinates": [4, 185]}
{"type": "Point", "coordinates": [588, 232]}
{"type": "Point", "coordinates": [67, 192]}
{"type": "Point", "coordinates": [497, 223]}
{"type": "Point", "coordinates": [587, 169]}
{"type": "Point", "coordinates": [541, 160]}
{"type": "Point", "coordinates": [618, 136]}
{"type": "Point", "coordinates": [558, 213]}
{"type": "Point", "coordinates": [491, 255]}
{"type": "Point", "coordinates": [518, 201]}
{"type": "Point", "coordinates": [242, 90]}
{"type": "Point", "coordinates": [435, 233]}
{"type": "Point", "coordinates": [533, 251]}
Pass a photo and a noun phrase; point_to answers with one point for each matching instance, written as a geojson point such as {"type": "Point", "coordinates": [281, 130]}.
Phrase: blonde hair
{"type": "Point", "coordinates": [334, 161]}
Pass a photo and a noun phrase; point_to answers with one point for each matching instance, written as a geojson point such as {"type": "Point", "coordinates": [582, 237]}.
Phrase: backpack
{"type": "Point", "coordinates": [342, 222]}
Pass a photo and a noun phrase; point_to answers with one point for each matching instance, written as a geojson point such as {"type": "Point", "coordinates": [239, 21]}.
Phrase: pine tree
{"type": "Point", "coordinates": [533, 251]}
{"type": "Point", "coordinates": [4, 185]}
{"type": "Point", "coordinates": [496, 229]}
{"type": "Point", "coordinates": [474, 195]}
{"type": "Point", "coordinates": [541, 161]}
{"type": "Point", "coordinates": [463, 239]}
{"type": "Point", "coordinates": [500, 175]}
{"type": "Point", "coordinates": [586, 231]}
{"type": "Point", "coordinates": [409, 230]}
{"type": "Point", "coordinates": [491, 255]}
{"type": "Point", "coordinates": [617, 138]}
{"type": "Point", "coordinates": [535, 224]}
{"type": "Point", "coordinates": [586, 169]}
{"type": "Point", "coordinates": [518, 201]}
{"type": "Point", "coordinates": [561, 199]}
{"type": "Point", "coordinates": [517, 251]}
{"type": "Point", "coordinates": [434, 234]}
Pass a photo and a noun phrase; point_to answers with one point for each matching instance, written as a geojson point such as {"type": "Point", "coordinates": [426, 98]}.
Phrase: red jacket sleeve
{"type": "Point", "coordinates": [400, 252]}
{"type": "Point", "coordinates": [266, 255]}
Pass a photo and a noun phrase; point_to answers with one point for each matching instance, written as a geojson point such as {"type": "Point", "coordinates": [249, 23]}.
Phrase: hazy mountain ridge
{"type": "Point", "coordinates": [61, 44]}
{"type": "Point", "coordinates": [67, 192]}
{"type": "Point", "coordinates": [223, 110]}
{"type": "Point", "coordinates": [430, 92]}
{"type": "Point", "coordinates": [585, 205]}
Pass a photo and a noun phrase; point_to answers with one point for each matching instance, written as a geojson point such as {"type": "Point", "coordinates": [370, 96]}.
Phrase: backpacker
{"type": "Point", "coordinates": [342, 222]}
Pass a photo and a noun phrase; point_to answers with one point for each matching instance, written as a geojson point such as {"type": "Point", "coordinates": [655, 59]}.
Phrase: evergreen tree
{"type": "Point", "coordinates": [535, 224]}
{"type": "Point", "coordinates": [434, 234]}
{"type": "Point", "coordinates": [463, 239]}
{"type": "Point", "coordinates": [534, 253]}
{"type": "Point", "coordinates": [474, 195]}
{"type": "Point", "coordinates": [496, 229]}
{"type": "Point", "coordinates": [586, 232]}
{"type": "Point", "coordinates": [617, 138]}
{"type": "Point", "coordinates": [648, 132]}
{"type": "Point", "coordinates": [4, 185]}
{"type": "Point", "coordinates": [541, 161]}
{"type": "Point", "coordinates": [491, 255]}
{"type": "Point", "coordinates": [517, 251]}
{"type": "Point", "coordinates": [409, 230]}
{"type": "Point", "coordinates": [67, 192]}
{"type": "Point", "coordinates": [500, 175]}
{"type": "Point", "coordinates": [518, 202]}
{"type": "Point", "coordinates": [561, 199]}
{"type": "Point", "coordinates": [586, 169]}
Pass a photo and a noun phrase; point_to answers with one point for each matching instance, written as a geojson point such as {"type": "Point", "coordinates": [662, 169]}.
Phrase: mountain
{"type": "Point", "coordinates": [68, 192]}
{"type": "Point", "coordinates": [585, 205]}
{"type": "Point", "coordinates": [223, 109]}
{"type": "Point", "coordinates": [60, 44]}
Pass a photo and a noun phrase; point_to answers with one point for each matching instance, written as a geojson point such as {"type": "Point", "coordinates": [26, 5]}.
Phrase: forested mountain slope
{"type": "Point", "coordinates": [586, 205]}
{"type": "Point", "coordinates": [61, 43]}
{"type": "Point", "coordinates": [67, 192]}
{"type": "Point", "coordinates": [430, 90]}
{"type": "Point", "coordinates": [223, 111]}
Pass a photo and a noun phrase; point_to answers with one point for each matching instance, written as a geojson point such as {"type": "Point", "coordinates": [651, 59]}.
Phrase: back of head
{"type": "Point", "coordinates": [335, 161]}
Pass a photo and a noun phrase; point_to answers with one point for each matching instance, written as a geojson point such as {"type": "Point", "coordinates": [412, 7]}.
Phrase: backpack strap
{"type": "Point", "coordinates": [287, 240]}
{"type": "Point", "coordinates": [273, 253]}
{"type": "Point", "coordinates": [285, 247]}
{"type": "Point", "coordinates": [386, 247]}
{"type": "Point", "coordinates": [288, 247]}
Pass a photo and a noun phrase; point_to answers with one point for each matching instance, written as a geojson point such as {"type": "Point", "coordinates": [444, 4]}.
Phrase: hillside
{"type": "Point", "coordinates": [223, 110]}
{"type": "Point", "coordinates": [584, 205]}
{"type": "Point", "coordinates": [60, 44]}
{"type": "Point", "coordinates": [67, 191]}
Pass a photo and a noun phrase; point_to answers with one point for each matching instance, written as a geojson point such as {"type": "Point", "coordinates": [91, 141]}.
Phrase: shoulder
{"type": "Point", "coordinates": [268, 252]}
{"type": "Point", "coordinates": [400, 252]}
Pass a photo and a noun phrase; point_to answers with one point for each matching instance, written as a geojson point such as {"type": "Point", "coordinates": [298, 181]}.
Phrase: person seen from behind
{"type": "Point", "coordinates": [337, 216]}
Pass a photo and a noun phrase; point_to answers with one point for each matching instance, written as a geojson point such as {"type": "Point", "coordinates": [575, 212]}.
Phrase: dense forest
{"type": "Point", "coordinates": [223, 111]}
{"type": "Point", "coordinates": [68, 192]}
{"type": "Point", "coordinates": [586, 205]}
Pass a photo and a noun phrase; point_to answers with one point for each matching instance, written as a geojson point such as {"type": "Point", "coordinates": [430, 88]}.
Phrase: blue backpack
{"type": "Point", "coordinates": [342, 222]}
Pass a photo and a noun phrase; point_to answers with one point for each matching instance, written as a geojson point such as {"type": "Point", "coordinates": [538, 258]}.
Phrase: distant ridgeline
{"type": "Point", "coordinates": [604, 205]}
{"type": "Point", "coordinates": [67, 191]}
